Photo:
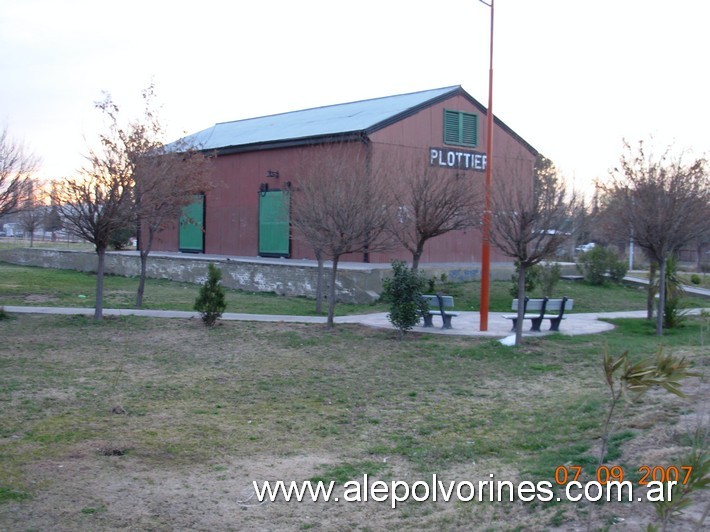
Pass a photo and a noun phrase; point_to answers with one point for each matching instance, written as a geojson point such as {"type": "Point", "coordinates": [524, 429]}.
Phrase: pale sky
{"type": "Point", "coordinates": [572, 77]}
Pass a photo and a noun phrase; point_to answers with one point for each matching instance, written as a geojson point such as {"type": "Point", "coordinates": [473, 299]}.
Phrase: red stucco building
{"type": "Point", "coordinates": [256, 160]}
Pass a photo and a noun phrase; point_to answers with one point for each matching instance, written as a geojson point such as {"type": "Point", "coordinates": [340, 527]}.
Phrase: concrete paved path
{"type": "Point", "coordinates": [465, 324]}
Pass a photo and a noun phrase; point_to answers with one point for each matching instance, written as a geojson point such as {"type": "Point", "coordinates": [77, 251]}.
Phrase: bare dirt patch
{"type": "Point", "coordinates": [37, 299]}
{"type": "Point", "coordinates": [207, 412]}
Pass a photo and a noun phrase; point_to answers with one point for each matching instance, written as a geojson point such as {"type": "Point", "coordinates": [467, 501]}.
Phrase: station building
{"type": "Point", "coordinates": [256, 161]}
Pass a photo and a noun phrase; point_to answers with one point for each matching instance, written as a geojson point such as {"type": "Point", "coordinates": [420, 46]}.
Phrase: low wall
{"type": "Point", "coordinates": [361, 285]}
{"type": "Point", "coordinates": [357, 283]}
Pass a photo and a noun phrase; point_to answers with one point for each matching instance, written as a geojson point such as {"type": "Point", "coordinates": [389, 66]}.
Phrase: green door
{"type": "Point", "coordinates": [274, 224]}
{"type": "Point", "coordinates": [192, 227]}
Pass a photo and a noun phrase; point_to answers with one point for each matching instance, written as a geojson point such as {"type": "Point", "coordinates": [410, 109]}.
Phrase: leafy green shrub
{"type": "Point", "coordinates": [599, 264]}
{"type": "Point", "coordinates": [532, 276]}
{"type": "Point", "coordinates": [617, 269]}
{"type": "Point", "coordinates": [404, 294]}
{"type": "Point", "coordinates": [211, 301]}
{"type": "Point", "coordinates": [120, 239]}
{"type": "Point", "coordinates": [433, 280]}
{"type": "Point", "coordinates": [695, 279]}
{"type": "Point", "coordinates": [549, 274]}
{"type": "Point", "coordinates": [431, 285]}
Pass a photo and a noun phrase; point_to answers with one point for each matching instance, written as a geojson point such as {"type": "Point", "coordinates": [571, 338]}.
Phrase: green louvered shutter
{"type": "Point", "coordinates": [451, 127]}
{"type": "Point", "coordinates": [469, 129]}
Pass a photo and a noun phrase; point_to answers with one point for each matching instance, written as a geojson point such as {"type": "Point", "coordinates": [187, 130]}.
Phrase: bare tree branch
{"type": "Point", "coordinates": [532, 219]}
{"type": "Point", "coordinates": [166, 178]}
{"type": "Point", "coordinates": [431, 202]}
{"type": "Point", "coordinates": [32, 210]}
{"type": "Point", "coordinates": [99, 200]}
{"type": "Point", "coordinates": [339, 207]}
{"type": "Point", "coordinates": [16, 168]}
{"type": "Point", "coordinates": [662, 203]}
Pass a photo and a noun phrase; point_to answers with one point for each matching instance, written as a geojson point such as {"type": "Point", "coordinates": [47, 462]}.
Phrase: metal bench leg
{"type": "Point", "coordinates": [447, 321]}
{"type": "Point", "coordinates": [536, 322]}
{"type": "Point", "coordinates": [428, 320]}
{"type": "Point", "coordinates": [555, 324]}
{"type": "Point", "coordinates": [515, 322]}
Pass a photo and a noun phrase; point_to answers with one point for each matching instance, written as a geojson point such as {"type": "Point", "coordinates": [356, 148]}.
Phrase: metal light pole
{"type": "Point", "coordinates": [486, 233]}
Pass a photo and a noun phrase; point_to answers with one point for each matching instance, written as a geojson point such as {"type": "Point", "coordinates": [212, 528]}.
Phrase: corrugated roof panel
{"type": "Point", "coordinates": [320, 121]}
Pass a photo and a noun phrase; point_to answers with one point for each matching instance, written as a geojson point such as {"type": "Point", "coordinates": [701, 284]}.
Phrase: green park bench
{"type": "Point", "coordinates": [538, 310]}
{"type": "Point", "coordinates": [437, 305]}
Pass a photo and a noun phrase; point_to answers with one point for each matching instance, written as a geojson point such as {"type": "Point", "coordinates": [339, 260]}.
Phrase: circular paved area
{"type": "Point", "coordinates": [465, 324]}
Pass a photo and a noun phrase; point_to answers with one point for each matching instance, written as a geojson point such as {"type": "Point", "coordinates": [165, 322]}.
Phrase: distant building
{"type": "Point", "coordinates": [256, 163]}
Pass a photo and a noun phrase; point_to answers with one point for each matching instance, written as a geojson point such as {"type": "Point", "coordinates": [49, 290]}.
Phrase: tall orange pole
{"type": "Point", "coordinates": [486, 233]}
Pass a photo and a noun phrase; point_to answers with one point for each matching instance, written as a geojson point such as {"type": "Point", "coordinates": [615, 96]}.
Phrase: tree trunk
{"type": "Point", "coordinates": [651, 290]}
{"type": "Point", "coordinates": [521, 304]}
{"type": "Point", "coordinates": [699, 262]}
{"type": "Point", "coordinates": [32, 239]}
{"type": "Point", "coordinates": [99, 305]}
{"type": "Point", "coordinates": [141, 279]}
{"type": "Point", "coordinates": [319, 283]}
{"type": "Point", "coordinates": [331, 301]}
{"type": "Point", "coordinates": [416, 256]}
{"type": "Point", "coordinates": [661, 297]}
{"type": "Point", "coordinates": [144, 252]}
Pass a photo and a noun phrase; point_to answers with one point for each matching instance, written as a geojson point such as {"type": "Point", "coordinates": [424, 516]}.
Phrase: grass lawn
{"type": "Point", "coordinates": [163, 424]}
{"type": "Point", "coordinates": [686, 278]}
{"type": "Point", "coordinates": [26, 285]}
{"type": "Point", "coordinates": [22, 285]}
{"type": "Point", "coordinates": [13, 243]}
{"type": "Point", "coordinates": [587, 298]}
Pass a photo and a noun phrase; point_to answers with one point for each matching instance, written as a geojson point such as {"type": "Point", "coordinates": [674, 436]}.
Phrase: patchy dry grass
{"type": "Point", "coordinates": [163, 425]}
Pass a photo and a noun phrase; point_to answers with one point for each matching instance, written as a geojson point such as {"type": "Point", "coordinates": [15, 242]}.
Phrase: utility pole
{"type": "Point", "coordinates": [486, 233]}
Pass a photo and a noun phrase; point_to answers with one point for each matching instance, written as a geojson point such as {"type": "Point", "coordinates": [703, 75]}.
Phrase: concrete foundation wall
{"type": "Point", "coordinates": [290, 278]}
{"type": "Point", "coordinates": [357, 283]}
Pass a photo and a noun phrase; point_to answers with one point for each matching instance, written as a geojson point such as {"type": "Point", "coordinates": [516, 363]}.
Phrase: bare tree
{"type": "Point", "coordinates": [702, 243]}
{"type": "Point", "coordinates": [32, 211]}
{"type": "Point", "coordinates": [532, 219]}
{"type": "Point", "coordinates": [431, 202]}
{"type": "Point", "coordinates": [338, 207]}
{"type": "Point", "coordinates": [165, 178]}
{"type": "Point", "coordinates": [99, 200]}
{"type": "Point", "coordinates": [52, 221]}
{"type": "Point", "coordinates": [16, 168]}
{"type": "Point", "coordinates": [662, 203]}
{"type": "Point", "coordinates": [165, 183]}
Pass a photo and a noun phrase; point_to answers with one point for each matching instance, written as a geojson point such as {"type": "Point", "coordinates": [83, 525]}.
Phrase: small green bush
{"type": "Point", "coordinates": [600, 264]}
{"type": "Point", "coordinates": [211, 301]}
{"type": "Point", "coordinates": [695, 279]}
{"type": "Point", "coordinates": [617, 269]}
{"type": "Point", "coordinates": [532, 276]}
{"type": "Point", "coordinates": [120, 239]}
{"type": "Point", "coordinates": [404, 294]}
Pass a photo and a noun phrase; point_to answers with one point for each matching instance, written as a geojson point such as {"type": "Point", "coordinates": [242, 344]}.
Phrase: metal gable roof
{"type": "Point", "coordinates": [333, 120]}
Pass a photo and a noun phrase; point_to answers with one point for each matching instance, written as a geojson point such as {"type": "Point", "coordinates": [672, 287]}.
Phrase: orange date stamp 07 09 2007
{"type": "Point", "coordinates": [605, 474]}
